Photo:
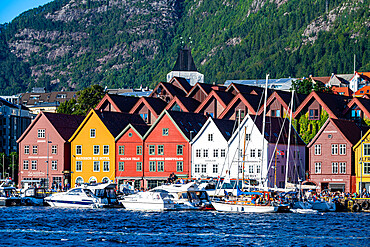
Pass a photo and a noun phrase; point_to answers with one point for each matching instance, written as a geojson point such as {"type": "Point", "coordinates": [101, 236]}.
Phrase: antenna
{"type": "Point", "coordinates": [354, 63]}
{"type": "Point", "coordinates": [327, 6]}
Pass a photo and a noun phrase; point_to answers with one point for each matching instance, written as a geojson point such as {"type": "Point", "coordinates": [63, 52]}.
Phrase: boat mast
{"type": "Point", "coordinates": [237, 180]}
{"type": "Point", "coordinates": [290, 131]}
{"type": "Point", "coordinates": [263, 126]}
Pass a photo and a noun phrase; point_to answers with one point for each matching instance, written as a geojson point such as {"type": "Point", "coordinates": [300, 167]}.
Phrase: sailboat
{"type": "Point", "coordinates": [254, 201]}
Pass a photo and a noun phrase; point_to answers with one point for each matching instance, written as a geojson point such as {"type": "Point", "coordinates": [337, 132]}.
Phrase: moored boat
{"type": "Point", "coordinates": [149, 200]}
{"type": "Point", "coordinates": [34, 197]}
{"type": "Point", "coordinates": [9, 196]}
{"type": "Point", "coordinates": [106, 192]}
{"type": "Point", "coordinates": [74, 198]}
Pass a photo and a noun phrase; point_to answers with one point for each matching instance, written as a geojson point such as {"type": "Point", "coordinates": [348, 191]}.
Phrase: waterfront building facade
{"type": "Point", "coordinates": [362, 163]}
{"type": "Point", "coordinates": [331, 158]}
{"type": "Point", "coordinates": [44, 150]}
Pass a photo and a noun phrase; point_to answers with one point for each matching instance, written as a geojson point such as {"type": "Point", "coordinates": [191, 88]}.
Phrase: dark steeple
{"type": "Point", "coordinates": [185, 61]}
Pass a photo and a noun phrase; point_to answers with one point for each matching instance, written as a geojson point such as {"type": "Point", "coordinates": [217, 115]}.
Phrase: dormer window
{"type": "Point", "coordinates": [314, 114]}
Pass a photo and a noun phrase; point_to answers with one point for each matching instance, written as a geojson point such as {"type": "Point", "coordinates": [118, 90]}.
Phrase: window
{"type": "Point", "coordinates": [205, 153]}
{"type": "Point", "coordinates": [215, 168]}
{"type": "Point", "coordinates": [151, 149]}
{"type": "Point", "coordinates": [78, 149]}
{"type": "Point", "coordinates": [34, 149]}
{"type": "Point", "coordinates": [160, 149]}
{"type": "Point", "coordinates": [204, 168]}
{"type": "Point", "coordinates": [25, 164]}
{"type": "Point", "coordinates": [160, 166]}
{"type": "Point", "coordinates": [215, 153]}
{"type": "Point", "coordinates": [152, 166]}
{"type": "Point", "coordinates": [277, 113]}
{"type": "Point", "coordinates": [165, 132]}
{"type": "Point", "coordinates": [96, 166]}
{"type": "Point", "coordinates": [210, 137]}
{"type": "Point", "coordinates": [78, 166]}
{"type": "Point", "coordinates": [366, 149]}
{"type": "Point", "coordinates": [342, 167]}
{"type": "Point", "coordinates": [34, 164]}
{"type": "Point", "coordinates": [251, 169]}
{"type": "Point", "coordinates": [26, 149]}
{"type": "Point", "coordinates": [92, 133]}
{"type": "Point", "coordinates": [342, 149]}
{"type": "Point", "coordinates": [96, 149]}
{"type": "Point", "coordinates": [179, 166]}
{"type": "Point", "coordinates": [334, 149]}
{"type": "Point", "coordinates": [253, 153]}
{"type": "Point", "coordinates": [334, 167]}
{"type": "Point", "coordinates": [247, 137]}
{"type": "Point", "coordinates": [240, 168]}
{"type": "Point", "coordinates": [313, 114]}
{"type": "Point", "coordinates": [106, 149]}
{"type": "Point", "coordinates": [121, 150]}
{"type": "Point", "coordinates": [258, 168]}
{"type": "Point", "coordinates": [318, 149]}
{"type": "Point", "coordinates": [139, 166]}
{"type": "Point", "coordinates": [242, 114]}
{"type": "Point", "coordinates": [198, 153]}
{"type": "Point", "coordinates": [180, 150]}
{"type": "Point", "coordinates": [139, 150]}
{"type": "Point", "coordinates": [366, 168]}
{"type": "Point", "coordinates": [259, 153]}
{"type": "Point", "coordinates": [317, 168]}
{"type": "Point", "coordinates": [54, 165]}
{"type": "Point", "coordinates": [121, 166]}
{"type": "Point", "coordinates": [197, 168]}
{"type": "Point", "coordinates": [223, 153]}
{"type": "Point", "coordinates": [105, 166]}
{"type": "Point", "coordinates": [54, 149]}
{"type": "Point", "coordinates": [41, 133]}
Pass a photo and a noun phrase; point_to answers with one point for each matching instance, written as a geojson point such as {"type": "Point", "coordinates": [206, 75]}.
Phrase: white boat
{"type": "Point", "coordinates": [238, 206]}
{"type": "Point", "coordinates": [105, 192]}
{"type": "Point", "coordinates": [74, 198]}
{"type": "Point", "coordinates": [148, 200]}
{"type": "Point", "coordinates": [34, 197]}
{"type": "Point", "coordinates": [323, 206]}
{"type": "Point", "coordinates": [187, 196]}
{"type": "Point", "coordinates": [9, 196]}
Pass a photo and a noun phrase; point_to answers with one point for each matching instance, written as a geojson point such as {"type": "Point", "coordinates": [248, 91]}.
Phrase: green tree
{"type": "Point", "coordinates": [87, 99]}
{"type": "Point", "coordinates": [302, 86]}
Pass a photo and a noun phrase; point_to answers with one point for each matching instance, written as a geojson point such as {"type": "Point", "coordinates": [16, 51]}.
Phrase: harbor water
{"type": "Point", "coordinates": [45, 226]}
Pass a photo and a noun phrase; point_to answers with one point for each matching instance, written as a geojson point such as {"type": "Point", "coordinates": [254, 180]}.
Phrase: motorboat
{"type": "Point", "coordinates": [74, 198]}
{"type": "Point", "coordinates": [250, 202]}
{"type": "Point", "coordinates": [187, 196]}
{"type": "Point", "coordinates": [34, 197]}
{"type": "Point", "coordinates": [106, 192]}
{"type": "Point", "coordinates": [9, 196]}
{"type": "Point", "coordinates": [149, 200]}
{"type": "Point", "coordinates": [322, 205]}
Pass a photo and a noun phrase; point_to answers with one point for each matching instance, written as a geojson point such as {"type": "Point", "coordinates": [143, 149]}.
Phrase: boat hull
{"type": "Point", "coordinates": [150, 206]}
{"type": "Point", "coordinates": [228, 207]}
{"type": "Point", "coordinates": [71, 204]}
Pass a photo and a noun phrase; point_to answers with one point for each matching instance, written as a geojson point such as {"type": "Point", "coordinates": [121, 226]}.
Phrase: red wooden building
{"type": "Point", "coordinates": [129, 155]}
{"type": "Point", "coordinates": [166, 146]}
{"type": "Point", "coordinates": [44, 150]}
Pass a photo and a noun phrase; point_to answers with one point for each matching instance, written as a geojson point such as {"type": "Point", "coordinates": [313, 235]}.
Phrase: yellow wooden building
{"type": "Point", "coordinates": [93, 146]}
{"type": "Point", "coordinates": [362, 162]}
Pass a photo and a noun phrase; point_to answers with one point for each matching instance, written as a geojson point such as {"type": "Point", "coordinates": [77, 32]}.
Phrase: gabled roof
{"type": "Point", "coordinates": [204, 87]}
{"type": "Point", "coordinates": [323, 79]}
{"type": "Point", "coordinates": [273, 127]}
{"type": "Point", "coordinates": [226, 127]}
{"type": "Point", "coordinates": [241, 88]}
{"type": "Point", "coordinates": [185, 103]}
{"type": "Point", "coordinates": [171, 89]}
{"type": "Point", "coordinates": [156, 105]}
{"type": "Point", "coordinates": [362, 103]}
{"type": "Point", "coordinates": [284, 98]}
{"type": "Point", "coordinates": [348, 129]}
{"type": "Point", "coordinates": [332, 103]}
{"type": "Point", "coordinates": [249, 100]}
{"type": "Point", "coordinates": [346, 91]}
{"type": "Point", "coordinates": [139, 129]}
{"type": "Point", "coordinates": [119, 102]}
{"type": "Point", "coordinates": [115, 122]}
{"type": "Point", "coordinates": [64, 124]}
{"type": "Point", "coordinates": [362, 91]}
{"type": "Point", "coordinates": [184, 61]}
{"type": "Point", "coordinates": [182, 82]}
{"type": "Point", "coordinates": [185, 122]}
{"type": "Point", "coordinates": [223, 98]}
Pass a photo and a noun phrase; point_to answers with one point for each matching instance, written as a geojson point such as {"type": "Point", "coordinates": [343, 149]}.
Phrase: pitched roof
{"type": "Point", "coordinates": [33, 98]}
{"type": "Point", "coordinates": [346, 91]}
{"type": "Point", "coordinates": [188, 121]}
{"type": "Point", "coordinates": [273, 127]}
{"type": "Point", "coordinates": [187, 104]}
{"type": "Point", "coordinates": [184, 61]}
{"type": "Point", "coordinates": [241, 88]}
{"type": "Point", "coordinates": [64, 124]}
{"type": "Point", "coordinates": [226, 127]}
{"type": "Point", "coordinates": [117, 121]}
{"type": "Point", "coordinates": [173, 90]}
{"type": "Point", "coordinates": [348, 128]}
{"type": "Point", "coordinates": [362, 103]}
{"type": "Point", "coordinates": [183, 82]}
{"type": "Point", "coordinates": [323, 79]}
{"type": "Point", "coordinates": [155, 104]}
{"type": "Point", "coordinates": [284, 98]}
{"type": "Point", "coordinates": [223, 98]}
{"type": "Point", "coordinates": [362, 91]}
{"type": "Point", "coordinates": [120, 102]}
{"type": "Point", "coordinates": [251, 101]}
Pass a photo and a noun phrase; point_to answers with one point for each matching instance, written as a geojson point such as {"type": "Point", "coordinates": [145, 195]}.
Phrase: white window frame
{"type": "Point", "coordinates": [54, 165]}
{"type": "Point", "coordinates": [215, 153]}
{"type": "Point", "coordinates": [26, 149]}
{"type": "Point", "coordinates": [334, 168]}
{"type": "Point", "coordinates": [317, 167]}
{"type": "Point", "coordinates": [121, 166]}
{"type": "Point", "coordinates": [197, 168]}
{"type": "Point", "coordinates": [317, 149]}
{"type": "Point", "coordinates": [92, 133]}
{"type": "Point", "coordinates": [41, 133]}
{"type": "Point", "coordinates": [26, 164]}
{"type": "Point", "coordinates": [106, 166]}
{"type": "Point", "coordinates": [203, 168]}
{"type": "Point", "coordinates": [96, 166]}
{"type": "Point", "coordinates": [54, 149]}
{"type": "Point", "coordinates": [215, 168]}
{"type": "Point", "coordinates": [342, 149]}
{"type": "Point", "coordinates": [96, 148]}
{"type": "Point", "coordinates": [34, 165]}
{"type": "Point", "coordinates": [210, 137]}
{"type": "Point", "coordinates": [78, 149]}
{"type": "Point", "coordinates": [334, 149]}
{"type": "Point", "coordinates": [105, 149]}
{"type": "Point", "coordinates": [342, 167]}
{"type": "Point", "coordinates": [78, 166]}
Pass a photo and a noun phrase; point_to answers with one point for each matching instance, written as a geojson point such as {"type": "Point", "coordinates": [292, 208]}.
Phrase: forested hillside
{"type": "Point", "coordinates": [70, 44]}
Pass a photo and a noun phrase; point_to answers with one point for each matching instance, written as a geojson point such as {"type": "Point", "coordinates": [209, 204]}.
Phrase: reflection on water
{"type": "Point", "coordinates": [37, 226]}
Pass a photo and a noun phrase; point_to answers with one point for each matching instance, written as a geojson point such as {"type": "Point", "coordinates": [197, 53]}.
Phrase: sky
{"type": "Point", "coordinates": [9, 9]}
